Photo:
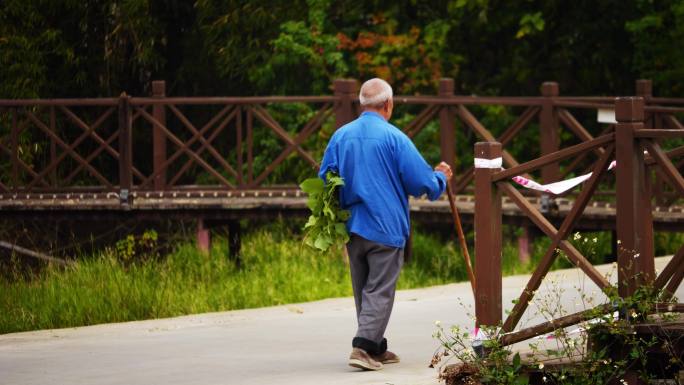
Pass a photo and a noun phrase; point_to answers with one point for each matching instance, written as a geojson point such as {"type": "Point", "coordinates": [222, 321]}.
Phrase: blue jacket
{"type": "Point", "coordinates": [381, 167]}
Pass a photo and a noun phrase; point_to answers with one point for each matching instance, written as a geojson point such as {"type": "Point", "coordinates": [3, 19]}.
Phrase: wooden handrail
{"type": "Point", "coordinates": [555, 157]}
{"type": "Point", "coordinates": [94, 149]}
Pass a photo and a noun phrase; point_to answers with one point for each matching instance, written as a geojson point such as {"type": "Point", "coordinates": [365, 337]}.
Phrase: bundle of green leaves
{"type": "Point", "coordinates": [325, 226]}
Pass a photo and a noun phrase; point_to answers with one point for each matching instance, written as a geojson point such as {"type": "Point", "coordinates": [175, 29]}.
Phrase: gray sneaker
{"type": "Point", "coordinates": [359, 358]}
{"type": "Point", "coordinates": [387, 358]}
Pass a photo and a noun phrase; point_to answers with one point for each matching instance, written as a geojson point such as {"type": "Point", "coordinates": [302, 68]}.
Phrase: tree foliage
{"type": "Point", "coordinates": [67, 48]}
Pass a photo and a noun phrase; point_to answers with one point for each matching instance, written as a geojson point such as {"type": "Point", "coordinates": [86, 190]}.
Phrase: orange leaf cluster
{"type": "Point", "coordinates": [403, 59]}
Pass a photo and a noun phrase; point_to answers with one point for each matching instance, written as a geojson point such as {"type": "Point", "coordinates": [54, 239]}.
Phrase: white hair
{"type": "Point", "coordinates": [374, 92]}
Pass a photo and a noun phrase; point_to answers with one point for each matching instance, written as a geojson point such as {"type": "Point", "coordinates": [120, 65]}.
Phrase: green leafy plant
{"type": "Point", "coordinates": [137, 247]}
{"type": "Point", "coordinates": [498, 366]}
{"type": "Point", "coordinates": [326, 225]}
{"type": "Point", "coordinates": [607, 346]}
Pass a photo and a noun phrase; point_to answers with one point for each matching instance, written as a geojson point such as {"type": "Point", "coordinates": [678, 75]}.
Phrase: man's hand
{"type": "Point", "coordinates": [444, 168]}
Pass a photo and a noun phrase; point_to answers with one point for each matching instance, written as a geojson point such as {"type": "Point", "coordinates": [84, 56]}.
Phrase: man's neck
{"type": "Point", "coordinates": [379, 112]}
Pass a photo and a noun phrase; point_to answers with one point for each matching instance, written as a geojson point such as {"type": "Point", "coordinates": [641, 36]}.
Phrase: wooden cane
{"type": "Point", "coordinates": [461, 236]}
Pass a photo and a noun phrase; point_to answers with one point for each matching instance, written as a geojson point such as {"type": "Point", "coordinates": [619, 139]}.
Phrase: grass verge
{"type": "Point", "coordinates": [276, 269]}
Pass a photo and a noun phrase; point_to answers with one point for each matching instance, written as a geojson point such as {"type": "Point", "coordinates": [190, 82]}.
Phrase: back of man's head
{"type": "Point", "coordinates": [374, 93]}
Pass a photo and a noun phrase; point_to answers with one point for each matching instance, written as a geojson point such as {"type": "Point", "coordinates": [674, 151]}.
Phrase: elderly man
{"type": "Point", "coordinates": [381, 167]}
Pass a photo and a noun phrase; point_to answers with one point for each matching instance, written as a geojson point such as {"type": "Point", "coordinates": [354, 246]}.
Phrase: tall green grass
{"type": "Point", "coordinates": [276, 269]}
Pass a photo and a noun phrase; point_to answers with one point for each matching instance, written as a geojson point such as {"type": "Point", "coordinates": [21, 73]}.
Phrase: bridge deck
{"type": "Point", "coordinates": [290, 202]}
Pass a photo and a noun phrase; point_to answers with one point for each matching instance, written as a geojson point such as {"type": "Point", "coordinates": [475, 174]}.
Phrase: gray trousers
{"type": "Point", "coordinates": [374, 272]}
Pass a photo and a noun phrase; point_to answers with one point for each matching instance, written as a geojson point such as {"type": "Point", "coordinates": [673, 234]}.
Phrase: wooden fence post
{"type": "Point", "coordinates": [158, 137]}
{"type": "Point", "coordinates": [654, 183]}
{"type": "Point", "coordinates": [446, 124]}
{"type": "Point", "coordinates": [125, 150]}
{"type": "Point", "coordinates": [548, 131]}
{"type": "Point", "coordinates": [634, 220]}
{"type": "Point", "coordinates": [15, 149]}
{"type": "Point", "coordinates": [487, 236]}
{"type": "Point", "coordinates": [345, 90]}
{"type": "Point", "coordinates": [644, 89]}
{"type": "Point", "coordinates": [53, 145]}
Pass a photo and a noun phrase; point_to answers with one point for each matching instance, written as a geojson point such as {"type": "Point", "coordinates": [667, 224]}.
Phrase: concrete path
{"type": "Point", "coordinates": [294, 344]}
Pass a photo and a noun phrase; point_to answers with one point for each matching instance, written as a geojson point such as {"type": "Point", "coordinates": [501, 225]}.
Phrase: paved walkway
{"type": "Point", "coordinates": [292, 344]}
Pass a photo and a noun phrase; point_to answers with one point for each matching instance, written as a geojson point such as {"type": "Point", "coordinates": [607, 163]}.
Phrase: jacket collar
{"type": "Point", "coordinates": [372, 113]}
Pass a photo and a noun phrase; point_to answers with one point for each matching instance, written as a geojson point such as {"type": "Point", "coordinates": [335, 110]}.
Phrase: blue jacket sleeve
{"type": "Point", "coordinates": [329, 162]}
{"type": "Point", "coordinates": [417, 176]}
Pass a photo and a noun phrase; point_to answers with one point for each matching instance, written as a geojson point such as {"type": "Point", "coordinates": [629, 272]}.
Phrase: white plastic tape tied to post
{"type": "Point", "coordinates": [555, 188]}
{"type": "Point", "coordinates": [488, 163]}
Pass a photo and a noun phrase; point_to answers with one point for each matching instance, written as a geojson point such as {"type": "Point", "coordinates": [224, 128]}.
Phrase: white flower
{"type": "Point", "coordinates": [595, 239]}
{"type": "Point", "coordinates": [562, 377]}
{"type": "Point", "coordinates": [541, 365]}
{"type": "Point", "coordinates": [438, 323]}
{"type": "Point", "coordinates": [636, 255]}
{"type": "Point", "coordinates": [576, 236]}
{"type": "Point", "coordinates": [544, 378]}
{"type": "Point", "coordinates": [634, 314]}
{"type": "Point", "coordinates": [619, 241]}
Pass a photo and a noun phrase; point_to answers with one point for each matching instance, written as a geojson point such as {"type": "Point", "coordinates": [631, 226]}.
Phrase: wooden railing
{"type": "Point", "coordinates": [638, 151]}
{"type": "Point", "coordinates": [161, 143]}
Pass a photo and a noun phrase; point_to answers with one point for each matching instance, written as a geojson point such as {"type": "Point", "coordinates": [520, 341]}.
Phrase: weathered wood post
{"type": "Point", "coordinates": [487, 235]}
{"type": "Point", "coordinates": [634, 220]}
{"type": "Point", "coordinates": [549, 139]}
{"type": "Point", "coordinates": [446, 124]}
{"type": "Point", "coordinates": [345, 90]}
{"type": "Point", "coordinates": [203, 236]}
{"type": "Point", "coordinates": [158, 137]}
{"type": "Point", "coordinates": [548, 130]}
{"type": "Point", "coordinates": [125, 150]}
